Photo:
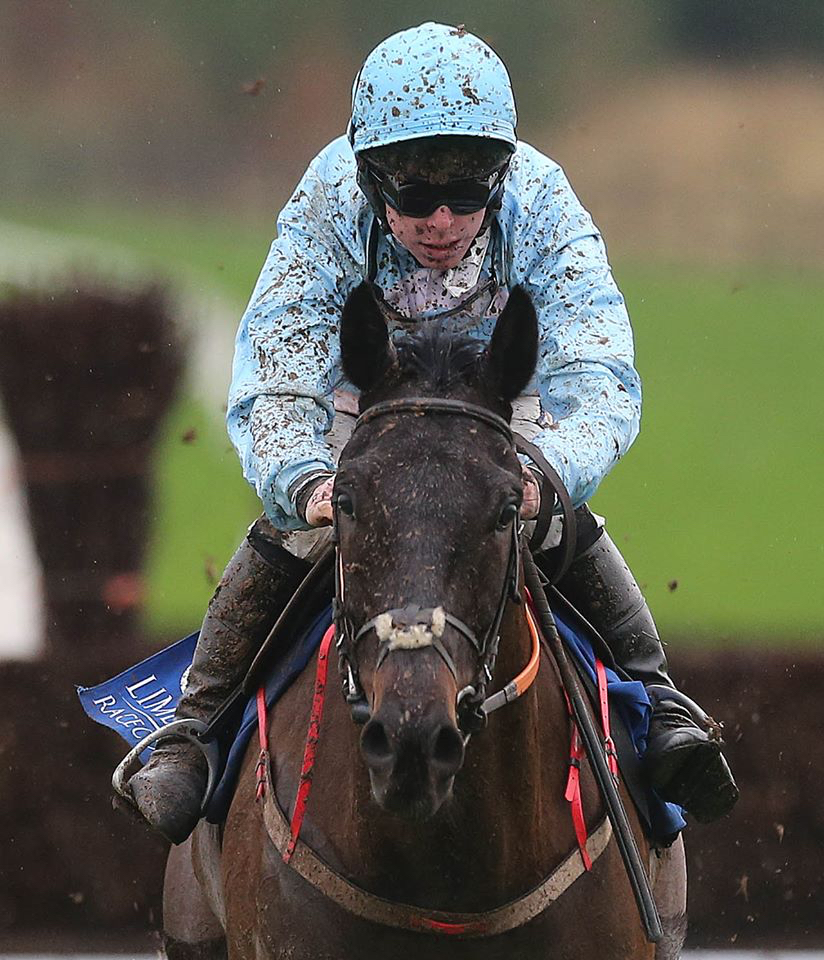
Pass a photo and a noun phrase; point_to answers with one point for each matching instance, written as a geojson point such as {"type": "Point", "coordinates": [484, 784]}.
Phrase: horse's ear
{"type": "Point", "coordinates": [366, 353]}
{"type": "Point", "coordinates": [513, 350]}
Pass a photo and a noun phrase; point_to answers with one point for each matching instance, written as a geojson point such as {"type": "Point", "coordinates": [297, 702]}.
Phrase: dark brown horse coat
{"type": "Point", "coordinates": [506, 828]}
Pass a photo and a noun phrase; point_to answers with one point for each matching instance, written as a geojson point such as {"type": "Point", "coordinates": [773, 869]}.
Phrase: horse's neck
{"type": "Point", "coordinates": [506, 820]}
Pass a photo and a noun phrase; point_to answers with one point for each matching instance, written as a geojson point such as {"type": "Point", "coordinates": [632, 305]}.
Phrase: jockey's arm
{"type": "Point", "coordinates": [286, 351]}
{"type": "Point", "coordinates": [586, 374]}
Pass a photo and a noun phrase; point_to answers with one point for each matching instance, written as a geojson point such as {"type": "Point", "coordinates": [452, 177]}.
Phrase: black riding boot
{"type": "Point", "coordinates": [683, 759]}
{"type": "Point", "coordinates": [256, 586]}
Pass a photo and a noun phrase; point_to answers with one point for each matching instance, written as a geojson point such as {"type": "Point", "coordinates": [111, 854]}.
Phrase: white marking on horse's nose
{"type": "Point", "coordinates": [383, 626]}
{"type": "Point", "coordinates": [410, 636]}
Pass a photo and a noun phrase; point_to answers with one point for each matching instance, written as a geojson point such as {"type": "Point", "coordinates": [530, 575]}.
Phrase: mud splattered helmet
{"type": "Point", "coordinates": [432, 104]}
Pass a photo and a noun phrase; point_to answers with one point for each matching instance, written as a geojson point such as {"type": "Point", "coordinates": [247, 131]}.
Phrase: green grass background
{"type": "Point", "coordinates": [715, 507]}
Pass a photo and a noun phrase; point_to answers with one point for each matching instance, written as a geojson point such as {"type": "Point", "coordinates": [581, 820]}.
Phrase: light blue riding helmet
{"type": "Point", "coordinates": [428, 81]}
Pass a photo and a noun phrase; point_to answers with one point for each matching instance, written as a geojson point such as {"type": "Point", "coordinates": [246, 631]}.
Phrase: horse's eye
{"type": "Point", "coordinates": [345, 504]}
{"type": "Point", "coordinates": [507, 515]}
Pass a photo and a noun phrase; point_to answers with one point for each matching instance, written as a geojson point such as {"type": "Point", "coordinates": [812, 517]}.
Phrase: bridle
{"type": "Point", "coordinates": [415, 627]}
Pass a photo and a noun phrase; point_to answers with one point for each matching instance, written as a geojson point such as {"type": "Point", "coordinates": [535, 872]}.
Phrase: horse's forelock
{"type": "Point", "coordinates": [440, 359]}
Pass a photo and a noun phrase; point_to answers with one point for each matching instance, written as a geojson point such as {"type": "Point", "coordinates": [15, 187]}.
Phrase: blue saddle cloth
{"type": "Point", "coordinates": [144, 697]}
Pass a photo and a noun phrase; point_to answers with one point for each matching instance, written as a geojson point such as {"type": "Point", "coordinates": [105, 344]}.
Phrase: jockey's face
{"type": "Point", "coordinates": [438, 241]}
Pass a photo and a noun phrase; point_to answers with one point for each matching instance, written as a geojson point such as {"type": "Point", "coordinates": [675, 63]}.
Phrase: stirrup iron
{"type": "Point", "coordinates": [186, 728]}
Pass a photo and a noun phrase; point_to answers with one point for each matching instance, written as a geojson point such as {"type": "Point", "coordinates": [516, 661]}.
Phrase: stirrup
{"type": "Point", "coordinates": [185, 728]}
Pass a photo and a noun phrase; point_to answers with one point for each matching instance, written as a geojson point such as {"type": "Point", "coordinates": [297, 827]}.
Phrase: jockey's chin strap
{"type": "Point", "coordinates": [415, 627]}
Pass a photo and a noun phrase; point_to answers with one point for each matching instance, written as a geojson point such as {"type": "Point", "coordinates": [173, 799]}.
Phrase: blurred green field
{"type": "Point", "coordinates": [720, 492]}
{"type": "Point", "coordinates": [715, 506]}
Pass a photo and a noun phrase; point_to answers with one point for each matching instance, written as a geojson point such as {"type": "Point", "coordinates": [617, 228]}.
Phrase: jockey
{"type": "Point", "coordinates": [431, 197]}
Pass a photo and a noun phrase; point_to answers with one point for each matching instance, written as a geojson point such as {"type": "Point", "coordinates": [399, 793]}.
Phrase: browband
{"type": "Point", "coordinates": [423, 405]}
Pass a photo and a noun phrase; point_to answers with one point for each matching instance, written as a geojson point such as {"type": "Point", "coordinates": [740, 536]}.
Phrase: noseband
{"type": "Point", "coordinates": [415, 627]}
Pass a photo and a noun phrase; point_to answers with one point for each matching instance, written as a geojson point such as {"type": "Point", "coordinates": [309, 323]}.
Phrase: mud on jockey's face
{"type": "Point", "coordinates": [439, 241]}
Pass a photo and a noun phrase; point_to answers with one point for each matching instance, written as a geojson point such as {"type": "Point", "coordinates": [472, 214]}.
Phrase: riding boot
{"type": "Point", "coordinates": [257, 584]}
{"type": "Point", "coordinates": [683, 759]}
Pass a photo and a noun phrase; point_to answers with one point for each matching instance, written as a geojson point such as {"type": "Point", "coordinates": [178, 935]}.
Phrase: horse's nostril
{"type": "Point", "coordinates": [448, 748]}
{"type": "Point", "coordinates": [375, 744]}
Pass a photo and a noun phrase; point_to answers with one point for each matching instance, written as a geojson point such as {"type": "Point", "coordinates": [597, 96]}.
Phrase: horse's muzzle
{"type": "Point", "coordinates": [413, 754]}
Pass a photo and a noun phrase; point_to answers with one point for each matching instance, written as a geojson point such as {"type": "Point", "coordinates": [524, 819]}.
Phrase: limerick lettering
{"type": "Point", "coordinates": [145, 707]}
{"type": "Point", "coordinates": [143, 698]}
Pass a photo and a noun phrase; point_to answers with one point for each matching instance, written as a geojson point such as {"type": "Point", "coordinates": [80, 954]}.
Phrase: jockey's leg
{"type": "Point", "coordinates": [683, 759]}
{"type": "Point", "coordinates": [257, 584]}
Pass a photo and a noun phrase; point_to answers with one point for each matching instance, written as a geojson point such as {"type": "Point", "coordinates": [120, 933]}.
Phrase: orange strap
{"type": "Point", "coordinates": [518, 687]}
{"type": "Point", "coordinates": [526, 677]}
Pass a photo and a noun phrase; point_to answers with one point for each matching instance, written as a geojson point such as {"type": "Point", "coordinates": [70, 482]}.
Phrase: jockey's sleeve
{"type": "Point", "coordinates": [586, 374]}
{"type": "Point", "coordinates": [286, 350]}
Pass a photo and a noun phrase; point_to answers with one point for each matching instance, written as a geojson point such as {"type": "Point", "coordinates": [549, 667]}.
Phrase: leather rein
{"type": "Point", "coordinates": [416, 627]}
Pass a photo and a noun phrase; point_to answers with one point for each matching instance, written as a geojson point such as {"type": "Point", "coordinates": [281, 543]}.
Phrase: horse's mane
{"type": "Point", "coordinates": [438, 357]}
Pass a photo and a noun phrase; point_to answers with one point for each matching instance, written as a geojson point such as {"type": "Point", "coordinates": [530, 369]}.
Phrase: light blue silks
{"type": "Point", "coordinates": [287, 354]}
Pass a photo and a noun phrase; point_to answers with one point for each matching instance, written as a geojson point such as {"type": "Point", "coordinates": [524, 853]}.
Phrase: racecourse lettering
{"type": "Point", "coordinates": [139, 715]}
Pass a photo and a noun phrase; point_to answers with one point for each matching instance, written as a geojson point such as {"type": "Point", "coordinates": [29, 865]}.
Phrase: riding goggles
{"type": "Point", "coordinates": [419, 198]}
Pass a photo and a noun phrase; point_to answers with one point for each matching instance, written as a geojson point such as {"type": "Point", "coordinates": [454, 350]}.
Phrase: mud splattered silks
{"type": "Point", "coordinates": [431, 80]}
{"type": "Point", "coordinates": [287, 357]}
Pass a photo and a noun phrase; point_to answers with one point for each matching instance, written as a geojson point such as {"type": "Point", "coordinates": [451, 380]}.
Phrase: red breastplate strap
{"type": "Point", "coordinates": [573, 793]}
{"type": "Point", "coordinates": [312, 739]}
{"type": "Point", "coordinates": [263, 740]}
{"type": "Point", "coordinates": [576, 753]}
{"type": "Point", "coordinates": [603, 700]}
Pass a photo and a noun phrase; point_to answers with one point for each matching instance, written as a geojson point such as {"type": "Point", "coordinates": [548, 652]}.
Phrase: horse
{"type": "Point", "coordinates": [435, 816]}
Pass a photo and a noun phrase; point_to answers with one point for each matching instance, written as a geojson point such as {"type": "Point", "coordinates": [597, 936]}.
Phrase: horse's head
{"type": "Point", "coordinates": [426, 502]}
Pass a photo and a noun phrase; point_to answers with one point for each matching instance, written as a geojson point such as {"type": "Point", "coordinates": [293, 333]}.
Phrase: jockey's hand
{"type": "Point", "coordinates": [532, 495]}
{"type": "Point", "coordinates": [318, 510]}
